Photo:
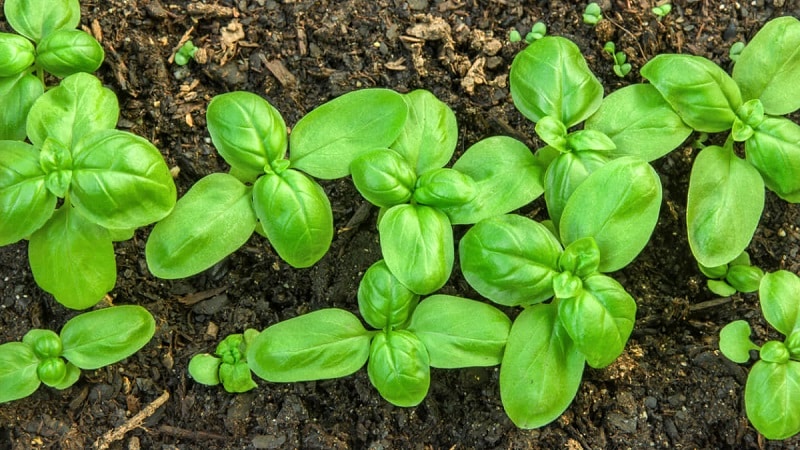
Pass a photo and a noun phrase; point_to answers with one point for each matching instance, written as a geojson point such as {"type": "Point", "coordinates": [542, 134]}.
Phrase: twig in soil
{"type": "Point", "coordinates": [628, 32]}
{"type": "Point", "coordinates": [197, 297]}
{"type": "Point", "coordinates": [189, 434]}
{"type": "Point", "coordinates": [132, 423]}
{"type": "Point", "coordinates": [709, 304]}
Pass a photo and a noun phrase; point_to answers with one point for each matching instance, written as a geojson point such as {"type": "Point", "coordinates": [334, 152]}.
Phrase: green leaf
{"type": "Point", "coordinates": [771, 396]}
{"type": "Point", "coordinates": [618, 206]}
{"type": "Point", "coordinates": [45, 343]}
{"type": "Point", "coordinates": [399, 368]}
{"type": "Point", "coordinates": [18, 378]}
{"type": "Point", "coordinates": [246, 130]}
{"type": "Point", "coordinates": [640, 122]}
{"type": "Point", "coordinates": [120, 180]}
{"type": "Point", "coordinates": [204, 368]}
{"type": "Point", "coordinates": [78, 106]}
{"type": "Point", "coordinates": [296, 215]}
{"type": "Point", "coordinates": [541, 369]}
{"type": "Point", "coordinates": [70, 377]}
{"type": "Point", "coordinates": [564, 174]}
{"type": "Point", "coordinates": [444, 187]}
{"type": "Point", "coordinates": [721, 288]}
{"type": "Point", "coordinates": [16, 54]}
{"type": "Point", "coordinates": [506, 175]}
{"type": "Point", "coordinates": [430, 133]}
{"type": "Point", "coordinates": [326, 141]}
{"type": "Point", "coordinates": [735, 343]}
{"type": "Point", "coordinates": [383, 177]}
{"type": "Point", "coordinates": [550, 77]}
{"type": "Point", "coordinates": [700, 92]}
{"type": "Point", "coordinates": [211, 221]}
{"type": "Point", "coordinates": [99, 338]}
{"type": "Point", "coordinates": [774, 149]}
{"type": "Point", "coordinates": [459, 332]}
{"type": "Point", "coordinates": [599, 320]}
{"type": "Point", "coordinates": [417, 245]}
{"type": "Point", "coordinates": [779, 293]}
{"type": "Point", "coordinates": [25, 202]}
{"type": "Point", "coordinates": [724, 205]}
{"type": "Point", "coordinates": [65, 52]}
{"type": "Point", "coordinates": [73, 259]}
{"type": "Point", "coordinates": [510, 260]}
{"type": "Point", "coordinates": [18, 93]}
{"type": "Point", "coordinates": [52, 371]}
{"type": "Point", "coordinates": [329, 343]}
{"type": "Point", "coordinates": [744, 278]}
{"type": "Point", "coordinates": [383, 301]}
{"type": "Point", "coordinates": [581, 257]}
{"type": "Point", "coordinates": [768, 67]}
{"type": "Point", "coordinates": [36, 19]}
{"type": "Point", "coordinates": [236, 378]}
{"type": "Point", "coordinates": [56, 161]}
{"type": "Point", "coordinates": [553, 132]}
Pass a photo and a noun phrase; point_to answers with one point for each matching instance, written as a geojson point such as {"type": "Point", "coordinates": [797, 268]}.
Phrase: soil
{"type": "Point", "coordinates": [670, 389]}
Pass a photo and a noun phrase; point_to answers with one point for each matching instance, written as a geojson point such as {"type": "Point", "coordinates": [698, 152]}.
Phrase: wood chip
{"type": "Point", "coordinates": [279, 71]}
{"type": "Point", "coordinates": [197, 297]}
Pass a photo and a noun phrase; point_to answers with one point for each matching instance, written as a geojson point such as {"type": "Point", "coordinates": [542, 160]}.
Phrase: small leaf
{"type": "Point", "coordinates": [564, 174]}
{"type": "Point", "coordinates": [16, 54]}
{"type": "Point", "coordinates": [204, 368]}
{"type": "Point", "coordinates": [383, 177]}
{"type": "Point", "coordinates": [65, 52]}
{"type": "Point", "coordinates": [744, 278]}
{"type": "Point", "coordinates": [36, 19]}
{"type": "Point", "coordinates": [430, 133]}
{"type": "Point", "coordinates": [721, 288]}
{"type": "Point", "coordinates": [779, 293]}
{"type": "Point", "coordinates": [774, 149]}
{"type": "Point", "coordinates": [383, 301]}
{"type": "Point", "coordinates": [735, 343]}
{"type": "Point", "coordinates": [18, 378]}
{"type": "Point", "coordinates": [25, 202]}
{"type": "Point", "coordinates": [581, 257]}
{"type": "Point", "coordinates": [18, 92]}
{"type": "Point", "coordinates": [236, 378]}
{"type": "Point", "coordinates": [399, 368]}
{"type": "Point", "coordinates": [443, 187]}
{"type": "Point", "coordinates": [771, 396]}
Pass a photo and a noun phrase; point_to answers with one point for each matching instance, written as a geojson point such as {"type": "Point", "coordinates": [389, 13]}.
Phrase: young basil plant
{"type": "Point", "coordinates": [110, 183]}
{"type": "Point", "coordinates": [47, 42]}
{"type": "Point", "coordinates": [87, 341]}
{"type": "Point", "coordinates": [228, 364]}
{"type": "Point", "coordinates": [737, 276]}
{"type": "Point", "coordinates": [421, 199]}
{"type": "Point", "coordinates": [726, 193]}
{"type": "Point", "coordinates": [411, 337]}
{"type": "Point", "coordinates": [267, 190]}
{"type": "Point", "coordinates": [772, 391]}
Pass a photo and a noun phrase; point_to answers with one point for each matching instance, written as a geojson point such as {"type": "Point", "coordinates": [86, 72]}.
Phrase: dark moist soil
{"type": "Point", "coordinates": [670, 389]}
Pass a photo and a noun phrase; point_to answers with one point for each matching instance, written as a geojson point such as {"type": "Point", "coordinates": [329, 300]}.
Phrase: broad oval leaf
{"type": "Point", "coordinates": [65, 52]}
{"type": "Point", "coordinates": [211, 221]}
{"type": "Point", "coordinates": [18, 93]}
{"type": "Point", "coordinates": [79, 105]}
{"type": "Point", "coordinates": [550, 77]}
{"type": "Point", "coordinates": [383, 177]}
{"type": "Point", "coordinates": [724, 205]}
{"type": "Point", "coordinates": [329, 343]}
{"type": "Point", "coordinates": [774, 149]}
{"type": "Point", "coordinates": [73, 259]}
{"type": "Point", "coordinates": [541, 369]}
{"type": "Point", "coordinates": [771, 396]}
{"type": "Point", "coordinates": [599, 320]}
{"type": "Point", "coordinates": [383, 301]}
{"type": "Point", "coordinates": [768, 67]}
{"type": "Point", "coordinates": [735, 343]}
{"type": "Point", "coordinates": [430, 134]}
{"type": "Point", "coordinates": [564, 174]}
{"type": "Point", "coordinates": [506, 175]}
{"type": "Point", "coordinates": [204, 369]}
{"type": "Point", "coordinates": [16, 54]}
{"type": "Point", "coordinates": [618, 206]}
{"type": "Point", "coordinates": [444, 187]}
{"type": "Point", "coordinates": [448, 327]}
{"type": "Point", "coordinates": [296, 216]}
{"type": "Point", "coordinates": [399, 368]}
{"type": "Point", "coordinates": [779, 294]}
{"type": "Point", "coordinates": [417, 245]}
{"type": "Point", "coordinates": [18, 378]}
{"type": "Point", "coordinates": [702, 94]}
{"type": "Point", "coordinates": [640, 122]}
{"type": "Point", "coordinates": [25, 202]}
{"type": "Point", "coordinates": [246, 130]}
{"type": "Point", "coordinates": [326, 141]}
{"type": "Point", "coordinates": [36, 19]}
{"type": "Point", "coordinates": [105, 336]}
{"type": "Point", "coordinates": [510, 260]}
{"type": "Point", "coordinates": [120, 180]}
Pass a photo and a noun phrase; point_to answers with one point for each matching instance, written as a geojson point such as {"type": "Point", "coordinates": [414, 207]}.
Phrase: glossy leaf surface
{"type": "Point", "coordinates": [19, 93]}
{"type": "Point", "coordinates": [771, 396]}
{"type": "Point", "coordinates": [18, 378]}
{"type": "Point", "coordinates": [65, 52]}
{"type": "Point", "coordinates": [735, 343]}
{"type": "Point", "coordinates": [383, 177]}
{"type": "Point", "coordinates": [383, 301]}
{"type": "Point", "coordinates": [399, 367]}
{"type": "Point", "coordinates": [774, 149]}
{"type": "Point", "coordinates": [779, 294]}
{"type": "Point", "coordinates": [25, 202]}
{"type": "Point", "coordinates": [16, 54]}
{"type": "Point", "coordinates": [36, 19]}
{"type": "Point", "coordinates": [430, 133]}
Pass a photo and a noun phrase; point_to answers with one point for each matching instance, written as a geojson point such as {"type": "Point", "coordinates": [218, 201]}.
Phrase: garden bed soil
{"type": "Point", "coordinates": [670, 389]}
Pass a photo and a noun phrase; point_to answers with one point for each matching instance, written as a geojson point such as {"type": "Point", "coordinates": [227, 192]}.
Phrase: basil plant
{"type": "Point", "coordinates": [267, 190]}
{"type": "Point", "coordinates": [552, 85]}
{"type": "Point", "coordinates": [410, 337]}
{"type": "Point", "coordinates": [88, 341]}
{"type": "Point", "coordinates": [77, 187]}
{"type": "Point", "coordinates": [726, 192]}
{"type": "Point", "coordinates": [47, 42]}
{"type": "Point", "coordinates": [572, 312]}
{"type": "Point", "coordinates": [421, 200]}
{"type": "Point", "coordinates": [772, 391]}
{"type": "Point", "coordinates": [228, 364]}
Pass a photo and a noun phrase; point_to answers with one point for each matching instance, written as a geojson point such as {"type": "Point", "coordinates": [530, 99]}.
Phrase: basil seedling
{"type": "Point", "coordinates": [772, 391]}
{"type": "Point", "coordinates": [87, 341]}
{"type": "Point", "coordinates": [267, 190]}
{"type": "Point", "coordinates": [110, 183]}
{"type": "Point", "coordinates": [737, 276]}
{"type": "Point", "coordinates": [227, 365]}
{"type": "Point", "coordinates": [47, 42]}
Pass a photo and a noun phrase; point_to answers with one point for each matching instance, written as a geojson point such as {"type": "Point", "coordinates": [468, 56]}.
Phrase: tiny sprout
{"type": "Point", "coordinates": [736, 50]}
{"type": "Point", "coordinates": [185, 53]}
{"type": "Point", "coordinates": [621, 65]}
{"type": "Point", "coordinates": [663, 10]}
{"type": "Point", "coordinates": [514, 36]}
{"type": "Point", "coordinates": [592, 14]}
{"type": "Point", "coordinates": [538, 31]}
